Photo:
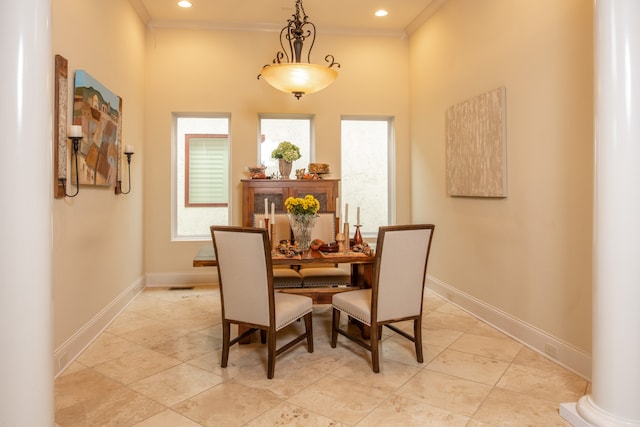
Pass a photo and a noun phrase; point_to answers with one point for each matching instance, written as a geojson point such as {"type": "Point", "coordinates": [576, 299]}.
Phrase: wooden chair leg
{"type": "Point", "coordinates": [334, 327]}
{"type": "Point", "coordinates": [417, 334]}
{"type": "Point", "coordinates": [271, 352]}
{"type": "Point", "coordinates": [308, 326]}
{"type": "Point", "coordinates": [375, 347]}
{"type": "Point", "coordinates": [226, 336]}
{"type": "Point", "coordinates": [263, 336]}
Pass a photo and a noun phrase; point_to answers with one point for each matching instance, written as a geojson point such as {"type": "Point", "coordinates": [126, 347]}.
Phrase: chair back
{"type": "Point", "coordinates": [402, 253]}
{"type": "Point", "coordinates": [283, 229]}
{"type": "Point", "coordinates": [325, 227]}
{"type": "Point", "coordinates": [245, 273]}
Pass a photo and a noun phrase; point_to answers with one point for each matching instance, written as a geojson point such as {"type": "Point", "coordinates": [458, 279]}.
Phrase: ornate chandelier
{"type": "Point", "coordinates": [287, 73]}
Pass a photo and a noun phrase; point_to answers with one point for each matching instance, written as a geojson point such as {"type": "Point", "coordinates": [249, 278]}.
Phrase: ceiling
{"type": "Point", "coordinates": [340, 16]}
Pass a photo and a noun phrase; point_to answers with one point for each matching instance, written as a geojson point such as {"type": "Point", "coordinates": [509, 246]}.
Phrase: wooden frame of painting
{"type": "Point", "coordinates": [476, 146]}
{"type": "Point", "coordinates": [60, 126]}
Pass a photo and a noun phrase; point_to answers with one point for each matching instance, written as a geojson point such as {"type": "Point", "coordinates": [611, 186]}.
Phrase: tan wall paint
{"type": "Point", "coordinates": [529, 254]}
{"type": "Point", "coordinates": [207, 71]}
{"type": "Point", "coordinates": [97, 236]}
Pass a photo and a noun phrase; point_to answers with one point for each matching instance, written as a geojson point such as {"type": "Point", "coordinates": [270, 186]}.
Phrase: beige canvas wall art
{"type": "Point", "coordinates": [476, 146]}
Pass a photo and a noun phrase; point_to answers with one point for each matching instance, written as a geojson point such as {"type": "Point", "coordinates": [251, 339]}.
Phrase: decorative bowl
{"type": "Point", "coordinates": [329, 247]}
{"type": "Point", "coordinates": [318, 168]}
{"type": "Point", "coordinates": [257, 172]}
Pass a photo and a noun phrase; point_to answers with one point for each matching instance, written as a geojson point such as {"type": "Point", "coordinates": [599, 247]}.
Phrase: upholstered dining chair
{"type": "Point", "coordinates": [402, 253]}
{"type": "Point", "coordinates": [283, 276]}
{"type": "Point", "coordinates": [247, 292]}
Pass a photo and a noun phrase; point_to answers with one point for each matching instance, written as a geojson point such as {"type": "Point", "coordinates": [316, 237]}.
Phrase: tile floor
{"type": "Point", "coordinates": [158, 364]}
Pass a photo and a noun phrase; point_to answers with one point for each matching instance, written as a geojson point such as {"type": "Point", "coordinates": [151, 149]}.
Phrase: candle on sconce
{"type": "Point", "coordinates": [358, 215]}
{"type": "Point", "coordinates": [75, 131]}
{"type": "Point", "coordinates": [266, 208]}
{"type": "Point", "coordinates": [346, 212]}
{"type": "Point", "coordinates": [128, 148]}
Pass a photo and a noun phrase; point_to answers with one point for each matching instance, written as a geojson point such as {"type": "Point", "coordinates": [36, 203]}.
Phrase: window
{"type": "Point", "coordinates": [275, 129]}
{"type": "Point", "coordinates": [201, 178]}
{"type": "Point", "coordinates": [366, 152]}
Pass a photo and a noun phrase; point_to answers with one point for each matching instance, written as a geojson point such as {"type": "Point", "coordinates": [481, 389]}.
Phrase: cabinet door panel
{"type": "Point", "coordinates": [255, 191]}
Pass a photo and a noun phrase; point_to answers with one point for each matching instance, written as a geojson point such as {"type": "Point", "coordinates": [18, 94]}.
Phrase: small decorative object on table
{"type": "Point", "coordinates": [257, 172]}
{"type": "Point", "coordinates": [316, 170]}
{"type": "Point", "coordinates": [300, 173]}
{"type": "Point", "coordinates": [329, 247]}
{"type": "Point", "coordinates": [357, 238]}
{"type": "Point", "coordinates": [286, 152]}
{"type": "Point", "coordinates": [340, 241]}
{"type": "Point", "coordinates": [303, 213]}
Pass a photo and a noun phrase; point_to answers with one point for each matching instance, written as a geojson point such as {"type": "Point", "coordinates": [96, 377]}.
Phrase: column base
{"type": "Point", "coordinates": [587, 414]}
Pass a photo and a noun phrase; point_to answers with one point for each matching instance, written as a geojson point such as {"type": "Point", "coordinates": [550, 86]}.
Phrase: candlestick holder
{"type": "Point", "coordinates": [63, 181]}
{"type": "Point", "coordinates": [340, 241]}
{"type": "Point", "coordinates": [119, 186]}
{"type": "Point", "coordinates": [274, 244]}
{"type": "Point", "coordinates": [266, 223]}
{"type": "Point", "coordinates": [357, 237]}
{"type": "Point", "coordinates": [347, 243]}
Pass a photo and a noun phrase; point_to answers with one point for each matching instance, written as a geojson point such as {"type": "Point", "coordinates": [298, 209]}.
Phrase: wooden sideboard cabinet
{"type": "Point", "coordinates": [276, 191]}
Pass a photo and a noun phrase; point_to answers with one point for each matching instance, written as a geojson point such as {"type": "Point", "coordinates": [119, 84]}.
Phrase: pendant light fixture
{"type": "Point", "coordinates": [287, 72]}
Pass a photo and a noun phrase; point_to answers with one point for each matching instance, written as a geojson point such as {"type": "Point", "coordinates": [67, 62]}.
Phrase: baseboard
{"type": "Point", "coordinates": [70, 349]}
{"type": "Point", "coordinates": [181, 279]}
{"type": "Point", "coordinates": [538, 340]}
{"type": "Point", "coordinates": [569, 412]}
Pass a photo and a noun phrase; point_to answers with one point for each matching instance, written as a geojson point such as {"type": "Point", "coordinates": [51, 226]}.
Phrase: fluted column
{"type": "Point", "coordinates": [26, 354]}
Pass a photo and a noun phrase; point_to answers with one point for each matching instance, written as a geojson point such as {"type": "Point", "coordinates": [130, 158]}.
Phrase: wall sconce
{"type": "Point", "coordinates": [75, 135]}
{"type": "Point", "coordinates": [128, 151]}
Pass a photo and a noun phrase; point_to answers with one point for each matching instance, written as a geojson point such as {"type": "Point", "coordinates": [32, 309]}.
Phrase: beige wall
{"type": "Point", "coordinates": [206, 71]}
{"type": "Point", "coordinates": [97, 236]}
{"type": "Point", "coordinates": [528, 255]}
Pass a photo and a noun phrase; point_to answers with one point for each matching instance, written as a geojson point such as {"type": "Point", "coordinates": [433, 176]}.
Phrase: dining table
{"type": "Point", "coordinates": [361, 269]}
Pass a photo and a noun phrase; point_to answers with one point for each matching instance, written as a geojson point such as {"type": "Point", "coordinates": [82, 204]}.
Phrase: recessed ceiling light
{"type": "Point", "coordinates": [184, 3]}
{"type": "Point", "coordinates": [381, 12]}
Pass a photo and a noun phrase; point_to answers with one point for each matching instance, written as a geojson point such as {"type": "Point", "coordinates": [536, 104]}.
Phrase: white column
{"type": "Point", "coordinates": [615, 399]}
{"type": "Point", "coordinates": [26, 360]}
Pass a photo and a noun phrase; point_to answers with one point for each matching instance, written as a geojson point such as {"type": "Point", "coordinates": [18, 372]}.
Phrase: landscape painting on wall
{"type": "Point", "coordinates": [99, 113]}
{"type": "Point", "coordinates": [477, 146]}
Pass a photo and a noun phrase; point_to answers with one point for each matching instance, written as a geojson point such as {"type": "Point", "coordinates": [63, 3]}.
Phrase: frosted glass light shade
{"type": "Point", "coordinates": [299, 78]}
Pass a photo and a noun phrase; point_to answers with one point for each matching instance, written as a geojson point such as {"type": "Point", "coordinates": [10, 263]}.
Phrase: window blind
{"type": "Point", "coordinates": [207, 170]}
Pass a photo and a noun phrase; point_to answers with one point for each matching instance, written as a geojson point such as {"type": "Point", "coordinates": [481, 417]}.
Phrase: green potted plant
{"type": "Point", "coordinates": [286, 152]}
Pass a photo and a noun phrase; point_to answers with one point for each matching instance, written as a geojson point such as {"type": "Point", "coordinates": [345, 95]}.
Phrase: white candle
{"type": "Point", "coordinates": [128, 148]}
{"type": "Point", "coordinates": [346, 212]}
{"type": "Point", "coordinates": [358, 215]}
{"type": "Point", "coordinates": [75, 131]}
{"type": "Point", "coordinates": [273, 213]}
{"type": "Point", "coordinates": [266, 208]}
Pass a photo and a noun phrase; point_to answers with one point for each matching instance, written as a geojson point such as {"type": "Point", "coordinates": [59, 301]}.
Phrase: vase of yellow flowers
{"type": "Point", "coordinates": [286, 152]}
{"type": "Point", "coordinates": [303, 214]}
